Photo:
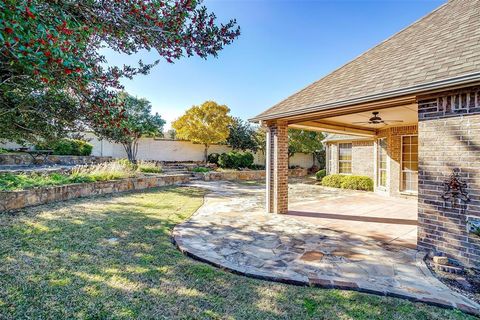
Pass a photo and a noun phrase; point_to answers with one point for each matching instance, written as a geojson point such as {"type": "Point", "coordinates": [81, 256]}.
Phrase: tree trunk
{"type": "Point", "coordinates": [131, 149]}
{"type": "Point", "coordinates": [206, 153]}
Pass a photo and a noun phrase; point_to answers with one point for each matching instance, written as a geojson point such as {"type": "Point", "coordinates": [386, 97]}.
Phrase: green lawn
{"type": "Point", "coordinates": [112, 258]}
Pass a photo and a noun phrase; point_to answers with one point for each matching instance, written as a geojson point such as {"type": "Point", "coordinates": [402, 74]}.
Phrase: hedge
{"type": "Point", "coordinates": [235, 160]}
{"type": "Point", "coordinates": [68, 147]}
{"type": "Point", "coordinates": [348, 182]}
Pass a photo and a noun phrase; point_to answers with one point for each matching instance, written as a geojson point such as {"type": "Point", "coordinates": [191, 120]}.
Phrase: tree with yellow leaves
{"type": "Point", "coordinates": [206, 124]}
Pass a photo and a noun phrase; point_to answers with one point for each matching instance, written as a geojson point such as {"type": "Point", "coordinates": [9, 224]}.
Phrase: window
{"type": "Point", "coordinates": [382, 162]}
{"type": "Point", "coordinates": [330, 159]}
{"type": "Point", "coordinates": [410, 163]}
{"type": "Point", "coordinates": [345, 158]}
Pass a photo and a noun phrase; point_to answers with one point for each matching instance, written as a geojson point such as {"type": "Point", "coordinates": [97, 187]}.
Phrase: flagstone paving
{"type": "Point", "coordinates": [232, 231]}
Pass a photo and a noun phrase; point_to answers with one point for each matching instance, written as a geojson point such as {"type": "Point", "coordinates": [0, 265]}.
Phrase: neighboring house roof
{"type": "Point", "coordinates": [343, 137]}
{"type": "Point", "coordinates": [440, 49]}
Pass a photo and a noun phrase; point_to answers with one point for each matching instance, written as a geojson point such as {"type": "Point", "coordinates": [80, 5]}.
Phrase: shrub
{"type": "Point", "coordinates": [201, 169]}
{"type": "Point", "coordinates": [333, 180]}
{"type": "Point", "coordinates": [348, 182]}
{"type": "Point", "coordinates": [148, 167]}
{"type": "Point", "coordinates": [320, 174]}
{"type": "Point", "coordinates": [213, 158]}
{"type": "Point", "coordinates": [357, 183]}
{"type": "Point", "coordinates": [235, 160]}
{"type": "Point", "coordinates": [68, 147]}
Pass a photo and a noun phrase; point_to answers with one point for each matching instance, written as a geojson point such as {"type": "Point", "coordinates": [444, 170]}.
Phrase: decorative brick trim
{"type": "Point", "coordinates": [449, 104]}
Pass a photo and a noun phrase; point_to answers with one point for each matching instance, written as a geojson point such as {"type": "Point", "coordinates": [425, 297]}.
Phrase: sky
{"type": "Point", "coordinates": [284, 46]}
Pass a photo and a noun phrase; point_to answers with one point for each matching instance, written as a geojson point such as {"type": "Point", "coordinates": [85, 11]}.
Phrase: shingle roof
{"type": "Point", "coordinates": [444, 44]}
{"type": "Point", "coordinates": [343, 137]}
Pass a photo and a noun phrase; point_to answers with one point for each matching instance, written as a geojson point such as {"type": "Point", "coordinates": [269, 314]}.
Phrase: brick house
{"type": "Point", "coordinates": [424, 82]}
{"type": "Point", "coordinates": [390, 159]}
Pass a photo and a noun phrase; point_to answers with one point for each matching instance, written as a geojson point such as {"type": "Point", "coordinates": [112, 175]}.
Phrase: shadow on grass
{"type": "Point", "coordinates": [111, 257]}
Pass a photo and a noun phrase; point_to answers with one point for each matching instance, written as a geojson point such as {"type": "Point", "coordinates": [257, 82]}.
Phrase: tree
{"type": "Point", "coordinates": [206, 124]}
{"type": "Point", "coordinates": [172, 134]}
{"type": "Point", "coordinates": [303, 141]}
{"type": "Point", "coordinates": [132, 122]}
{"type": "Point", "coordinates": [53, 48]}
{"type": "Point", "coordinates": [242, 136]}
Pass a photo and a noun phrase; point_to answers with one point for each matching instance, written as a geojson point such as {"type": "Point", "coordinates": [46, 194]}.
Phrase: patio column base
{"type": "Point", "coordinates": [277, 167]}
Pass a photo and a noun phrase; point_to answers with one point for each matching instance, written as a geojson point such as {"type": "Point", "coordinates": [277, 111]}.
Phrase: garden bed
{"type": "Point", "coordinates": [14, 200]}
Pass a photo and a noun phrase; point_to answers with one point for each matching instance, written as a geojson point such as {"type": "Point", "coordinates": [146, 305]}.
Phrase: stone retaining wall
{"type": "Point", "coordinates": [245, 175]}
{"type": "Point", "coordinates": [14, 200]}
{"type": "Point", "coordinates": [11, 159]}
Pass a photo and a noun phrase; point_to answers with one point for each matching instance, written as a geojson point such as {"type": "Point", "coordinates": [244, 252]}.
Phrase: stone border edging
{"type": "Point", "coordinates": [324, 283]}
{"type": "Point", "coordinates": [15, 200]}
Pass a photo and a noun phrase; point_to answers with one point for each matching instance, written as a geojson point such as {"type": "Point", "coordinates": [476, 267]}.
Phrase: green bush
{"type": "Point", "coordinates": [348, 182]}
{"type": "Point", "coordinates": [357, 183]}
{"type": "Point", "coordinates": [213, 158]}
{"type": "Point", "coordinates": [201, 169]}
{"type": "Point", "coordinates": [67, 147]}
{"type": "Point", "coordinates": [333, 180]}
{"type": "Point", "coordinates": [320, 174]}
{"type": "Point", "coordinates": [148, 167]}
{"type": "Point", "coordinates": [235, 160]}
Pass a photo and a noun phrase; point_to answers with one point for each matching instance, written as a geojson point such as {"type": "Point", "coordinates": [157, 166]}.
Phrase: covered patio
{"type": "Point", "coordinates": [232, 231]}
{"type": "Point", "coordinates": [390, 221]}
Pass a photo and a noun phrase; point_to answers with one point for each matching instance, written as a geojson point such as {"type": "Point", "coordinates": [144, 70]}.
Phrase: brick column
{"type": "Point", "coordinates": [277, 168]}
{"type": "Point", "coordinates": [449, 138]}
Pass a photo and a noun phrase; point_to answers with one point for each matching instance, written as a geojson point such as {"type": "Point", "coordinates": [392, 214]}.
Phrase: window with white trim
{"type": "Point", "coordinates": [345, 158]}
{"type": "Point", "coordinates": [409, 163]}
{"type": "Point", "coordinates": [382, 163]}
{"type": "Point", "coordinates": [330, 158]}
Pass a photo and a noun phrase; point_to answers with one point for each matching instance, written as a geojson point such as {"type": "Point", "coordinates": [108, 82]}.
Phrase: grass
{"type": "Point", "coordinates": [112, 258]}
{"type": "Point", "coordinates": [201, 169]}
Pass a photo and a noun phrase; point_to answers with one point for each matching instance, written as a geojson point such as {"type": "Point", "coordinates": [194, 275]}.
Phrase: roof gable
{"type": "Point", "coordinates": [444, 44]}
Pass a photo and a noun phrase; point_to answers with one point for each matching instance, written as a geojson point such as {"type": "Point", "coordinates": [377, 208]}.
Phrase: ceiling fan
{"type": "Point", "coordinates": [377, 120]}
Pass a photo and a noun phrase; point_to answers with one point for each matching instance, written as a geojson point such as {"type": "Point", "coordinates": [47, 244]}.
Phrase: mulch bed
{"type": "Point", "coordinates": [467, 282]}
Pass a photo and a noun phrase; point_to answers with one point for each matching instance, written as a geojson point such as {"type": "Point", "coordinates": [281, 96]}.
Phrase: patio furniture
{"type": "Point", "coordinates": [38, 155]}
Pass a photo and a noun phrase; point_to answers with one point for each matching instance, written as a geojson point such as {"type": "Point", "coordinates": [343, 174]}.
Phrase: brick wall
{"type": "Point", "coordinates": [449, 138]}
{"type": "Point", "coordinates": [363, 158]}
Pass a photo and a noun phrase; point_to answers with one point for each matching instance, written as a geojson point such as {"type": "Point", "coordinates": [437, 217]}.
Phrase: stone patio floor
{"type": "Point", "coordinates": [231, 231]}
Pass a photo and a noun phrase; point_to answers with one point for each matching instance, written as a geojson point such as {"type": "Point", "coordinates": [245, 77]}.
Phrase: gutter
{"type": "Point", "coordinates": [421, 88]}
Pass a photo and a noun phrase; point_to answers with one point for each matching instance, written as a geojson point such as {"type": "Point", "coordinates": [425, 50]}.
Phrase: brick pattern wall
{"type": "Point", "coordinates": [394, 151]}
{"type": "Point", "coordinates": [363, 158]}
{"type": "Point", "coordinates": [449, 137]}
{"type": "Point", "coordinates": [277, 167]}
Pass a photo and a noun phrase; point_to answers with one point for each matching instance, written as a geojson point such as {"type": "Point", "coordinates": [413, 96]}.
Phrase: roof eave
{"type": "Point", "coordinates": [418, 89]}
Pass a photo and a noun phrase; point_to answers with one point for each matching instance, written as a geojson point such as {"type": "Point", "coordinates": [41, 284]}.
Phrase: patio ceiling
{"type": "Point", "coordinates": [348, 123]}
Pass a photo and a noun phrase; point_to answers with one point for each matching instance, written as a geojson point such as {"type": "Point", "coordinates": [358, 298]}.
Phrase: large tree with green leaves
{"type": "Point", "coordinates": [132, 121]}
{"type": "Point", "coordinates": [206, 124]}
{"type": "Point", "coordinates": [303, 141]}
{"type": "Point", "coordinates": [242, 136]}
{"type": "Point", "coordinates": [52, 49]}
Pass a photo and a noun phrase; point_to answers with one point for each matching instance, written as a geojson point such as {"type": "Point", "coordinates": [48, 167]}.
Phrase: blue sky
{"type": "Point", "coordinates": [284, 46]}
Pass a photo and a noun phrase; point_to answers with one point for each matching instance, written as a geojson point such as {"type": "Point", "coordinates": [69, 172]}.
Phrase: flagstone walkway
{"type": "Point", "coordinates": [231, 231]}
